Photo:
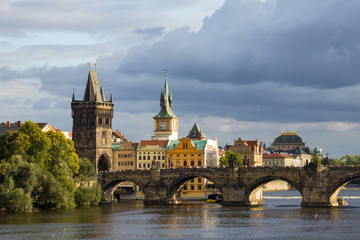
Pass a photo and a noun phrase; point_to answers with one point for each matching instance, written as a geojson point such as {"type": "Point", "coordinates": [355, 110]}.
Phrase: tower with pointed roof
{"type": "Point", "coordinates": [196, 133]}
{"type": "Point", "coordinates": [165, 122]}
{"type": "Point", "coordinates": [92, 124]}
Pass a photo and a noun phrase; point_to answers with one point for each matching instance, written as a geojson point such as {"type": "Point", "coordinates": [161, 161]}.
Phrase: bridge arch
{"type": "Point", "coordinates": [109, 188]}
{"type": "Point", "coordinates": [255, 186]}
{"type": "Point", "coordinates": [175, 187]}
{"type": "Point", "coordinates": [334, 191]}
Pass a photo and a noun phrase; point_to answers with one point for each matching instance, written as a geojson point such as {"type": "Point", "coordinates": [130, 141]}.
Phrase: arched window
{"type": "Point", "coordinates": [192, 163]}
{"type": "Point", "coordinates": [199, 163]}
{"type": "Point", "coordinates": [185, 163]}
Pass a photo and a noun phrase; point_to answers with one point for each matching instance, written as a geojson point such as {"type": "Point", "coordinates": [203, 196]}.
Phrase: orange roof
{"type": "Point", "coordinates": [251, 143]}
{"type": "Point", "coordinates": [161, 143]}
{"type": "Point", "coordinates": [135, 145]}
{"type": "Point", "coordinates": [118, 134]}
{"type": "Point", "coordinates": [277, 155]}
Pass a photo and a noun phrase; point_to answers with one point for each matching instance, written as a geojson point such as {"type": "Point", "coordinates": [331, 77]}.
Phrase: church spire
{"type": "Point", "coordinates": [92, 91]}
{"type": "Point", "coordinates": [165, 101]}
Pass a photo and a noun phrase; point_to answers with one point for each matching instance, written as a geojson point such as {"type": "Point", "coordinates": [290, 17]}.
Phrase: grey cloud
{"type": "Point", "coordinates": [247, 42]}
{"type": "Point", "coordinates": [150, 32]}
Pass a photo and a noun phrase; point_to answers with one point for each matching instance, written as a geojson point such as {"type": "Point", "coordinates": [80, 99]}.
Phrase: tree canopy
{"type": "Point", "coordinates": [224, 160]}
{"type": "Point", "coordinates": [37, 169]}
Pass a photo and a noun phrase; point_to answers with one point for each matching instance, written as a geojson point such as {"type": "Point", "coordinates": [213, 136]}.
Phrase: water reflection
{"type": "Point", "coordinates": [280, 217]}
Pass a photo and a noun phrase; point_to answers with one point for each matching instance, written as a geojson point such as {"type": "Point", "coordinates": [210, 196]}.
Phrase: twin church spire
{"type": "Point", "coordinates": [165, 102]}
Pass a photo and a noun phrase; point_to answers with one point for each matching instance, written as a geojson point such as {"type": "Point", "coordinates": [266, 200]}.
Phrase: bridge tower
{"type": "Point", "coordinates": [92, 124]}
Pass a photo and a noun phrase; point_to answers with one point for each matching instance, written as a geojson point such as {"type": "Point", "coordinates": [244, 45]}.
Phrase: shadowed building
{"type": "Point", "coordinates": [92, 125]}
{"type": "Point", "coordinates": [287, 142]}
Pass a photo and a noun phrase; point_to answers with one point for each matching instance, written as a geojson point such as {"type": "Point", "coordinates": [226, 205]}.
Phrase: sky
{"type": "Point", "coordinates": [239, 68]}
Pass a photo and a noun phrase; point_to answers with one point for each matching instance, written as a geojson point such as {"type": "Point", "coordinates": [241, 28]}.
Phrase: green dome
{"type": "Point", "coordinates": [317, 150]}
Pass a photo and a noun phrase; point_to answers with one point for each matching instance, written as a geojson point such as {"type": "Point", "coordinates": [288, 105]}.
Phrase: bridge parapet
{"type": "Point", "coordinates": [318, 186]}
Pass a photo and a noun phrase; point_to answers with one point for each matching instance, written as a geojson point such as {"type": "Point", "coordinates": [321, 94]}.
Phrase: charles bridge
{"type": "Point", "coordinates": [319, 186]}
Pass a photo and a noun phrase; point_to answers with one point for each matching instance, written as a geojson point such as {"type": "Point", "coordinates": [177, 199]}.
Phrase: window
{"type": "Point", "coordinates": [100, 121]}
{"type": "Point", "coordinates": [118, 155]}
{"type": "Point", "coordinates": [107, 121]}
{"type": "Point", "coordinates": [199, 187]}
{"type": "Point", "coordinates": [185, 163]}
{"type": "Point", "coordinates": [185, 187]}
{"type": "Point", "coordinates": [192, 180]}
{"type": "Point", "coordinates": [199, 155]}
{"type": "Point", "coordinates": [148, 157]}
{"type": "Point", "coordinates": [118, 163]}
{"type": "Point", "coordinates": [199, 163]}
{"type": "Point", "coordinates": [159, 157]}
{"type": "Point", "coordinates": [192, 163]}
{"type": "Point", "coordinates": [132, 163]}
{"type": "Point", "coordinates": [163, 165]}
{"type": "Point", "coordinates": [192, 187]}
{"type": "Point", "coordinates": [154, 157]}
{"type": "Point", "coordinates": [144, 165]}
{"type": "Point", "coordinates": [139, 165]}
{"type": "Point", "coordinates": [139, 157]}
{"type": "Point", "coordinates": [163, 158]}
{"type": "Point", "coordinates": [148, 165]}
{"type": "Point", "coordinates": [199, 180]}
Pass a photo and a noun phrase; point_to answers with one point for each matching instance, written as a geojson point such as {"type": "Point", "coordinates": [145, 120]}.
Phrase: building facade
{"type": "Point", "coordinates": [186, 153]}
{"type": "Point", "coordinates": [92, 125]}
{"type": "Point", "coordinates": [281, 160]}
{"type": "Point", "coordinates": [149, 151]}
{"type": "Point", "coordinates": [252, 150]}
{"type": "Point", "coordinates": [124, 156]}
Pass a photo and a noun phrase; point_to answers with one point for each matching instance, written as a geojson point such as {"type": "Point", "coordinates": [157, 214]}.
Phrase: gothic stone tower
{"type": "Point", "coordinates": [92, 125]}
{"type": "Point", "coordinates": [165, 122]}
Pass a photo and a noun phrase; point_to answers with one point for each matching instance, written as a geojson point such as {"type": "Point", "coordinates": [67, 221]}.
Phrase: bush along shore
{"type": "Point", "coordinates": [40, 170]}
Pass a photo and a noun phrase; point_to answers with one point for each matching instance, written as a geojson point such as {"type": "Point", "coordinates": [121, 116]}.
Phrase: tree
{"type": "Point", "coordinates": [224, 161]}
{"type": "Point", "coordinates": [61, 153]}
{"type": "Point", "coordinates": [315, 159]}
{"type": "Point", "coordinates": [32, 143]}
{"type": "Point", "coordinates": [86, 171]}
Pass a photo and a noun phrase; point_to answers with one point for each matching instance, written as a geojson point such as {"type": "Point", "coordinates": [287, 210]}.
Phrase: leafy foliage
{"type": "Point", "coordinates": [37, 169]}
{"type": "Point", "coordinates": [224, 161]}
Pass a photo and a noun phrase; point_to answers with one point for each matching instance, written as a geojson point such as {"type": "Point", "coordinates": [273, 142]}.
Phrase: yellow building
{"type": "Point", "coordinates": [251, 150]}
{"type": "Point", "coordinates": [186, 153]}
{"type": "Point", "coordinates": [149, 150]}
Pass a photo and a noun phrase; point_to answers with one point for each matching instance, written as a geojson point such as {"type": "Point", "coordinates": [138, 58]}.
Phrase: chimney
{"type": "Point", "coordinates": [18, 123]}
{"type": "Point", "coordinates": [7, 124]}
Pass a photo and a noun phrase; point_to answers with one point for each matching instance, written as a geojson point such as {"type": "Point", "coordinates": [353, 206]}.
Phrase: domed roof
{"type": "Point", "coordinates": [288, 138]}
{"type": "Point", "coordinates": [317, 150]}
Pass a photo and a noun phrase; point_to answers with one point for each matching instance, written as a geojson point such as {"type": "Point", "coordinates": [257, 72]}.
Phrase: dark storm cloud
{"type": "Point", "coordinates": [246, 42]}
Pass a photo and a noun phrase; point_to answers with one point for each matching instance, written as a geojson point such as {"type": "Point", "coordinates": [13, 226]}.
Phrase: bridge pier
{"type": "Point", "coordinates": [317, 197]}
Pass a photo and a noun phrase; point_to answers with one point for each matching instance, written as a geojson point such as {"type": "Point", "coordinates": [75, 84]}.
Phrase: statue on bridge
{"type": "Point", "coordinates": [155, 165]}
{"type": "Point", "coordinates": [233, 161]}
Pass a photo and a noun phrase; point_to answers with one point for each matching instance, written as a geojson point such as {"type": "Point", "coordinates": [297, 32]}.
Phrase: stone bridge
{"type": "Point", "coordinates": [319, 186]}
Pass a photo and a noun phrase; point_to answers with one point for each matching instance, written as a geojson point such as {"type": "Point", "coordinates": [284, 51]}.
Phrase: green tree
{"type": "Point", "coordinates": [32, 143]}
{"type": "Point", "coordinates": [87, 171]}
{"type": "Point", "coordinates": [85, 196]}
{"type": "Point", "coordinates": [61, 153]}
{"type": "Point", "coordinates": [224, 160]}
{"type": "Point", "coordinates": [315, 159]}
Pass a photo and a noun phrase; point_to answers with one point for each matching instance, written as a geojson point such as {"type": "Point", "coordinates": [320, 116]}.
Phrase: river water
{"type": "Point", "coordinates": [281, 217]}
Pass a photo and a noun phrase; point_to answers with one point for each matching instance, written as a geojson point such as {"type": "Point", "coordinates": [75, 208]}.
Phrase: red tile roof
{"type": "Point", "coordinates": [118, 134]}
{"type": "Point", "coordinates": [251, 143]}
{"type": "Point", "coordinates": [161, 143]}
{"type": "Point", "coordinates": [277, 155]}
{"type": "Point", "coordinates": [135, 145]}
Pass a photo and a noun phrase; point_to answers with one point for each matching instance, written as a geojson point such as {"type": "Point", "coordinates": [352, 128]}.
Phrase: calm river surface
{"type": "Point", "coordinates": [281, 217]}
